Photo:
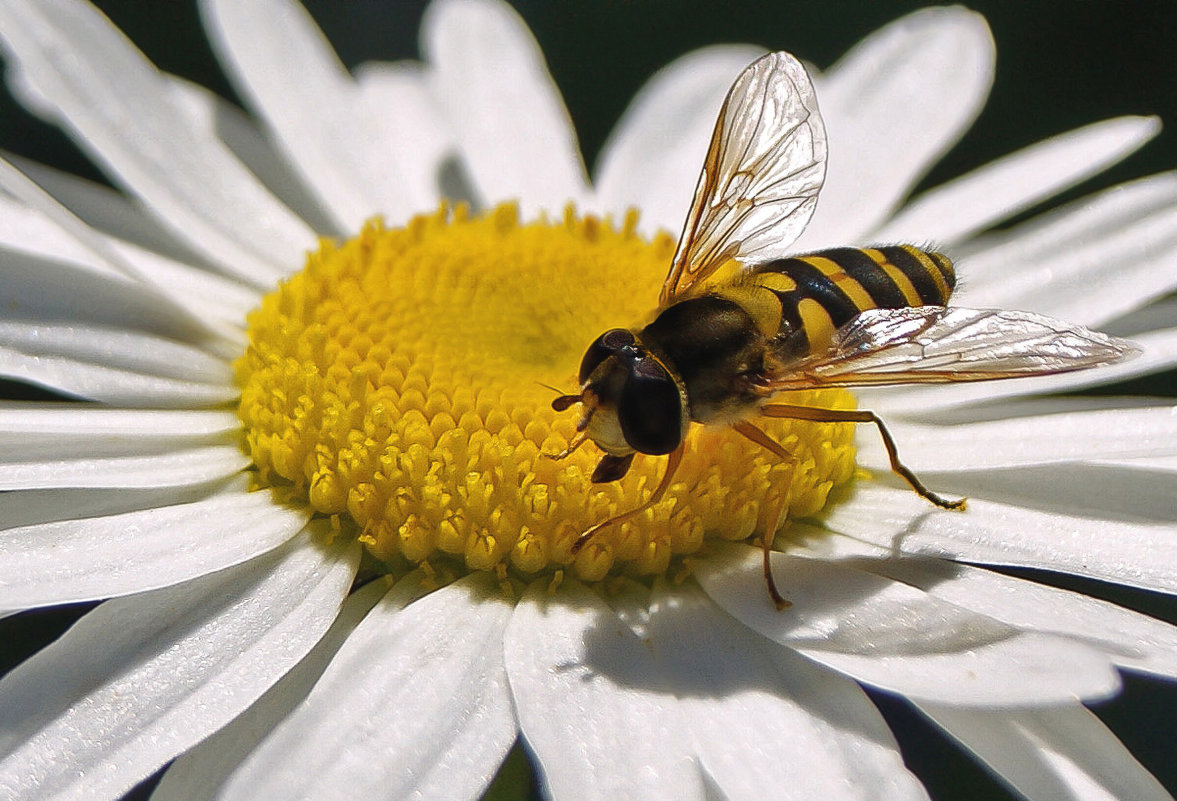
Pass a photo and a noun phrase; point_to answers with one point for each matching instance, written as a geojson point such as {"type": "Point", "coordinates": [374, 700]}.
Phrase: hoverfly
{"type": "Point", "coordinates": [718, 353]}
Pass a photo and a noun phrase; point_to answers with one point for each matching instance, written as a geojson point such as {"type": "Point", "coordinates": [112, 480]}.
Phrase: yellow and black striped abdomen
{"type": "Point", "coordinates": [820, 292]}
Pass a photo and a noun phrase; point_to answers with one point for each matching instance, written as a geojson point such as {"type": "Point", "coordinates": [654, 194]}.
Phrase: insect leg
{"type": "Point", "coordinates": [768, 443]}
{"type": "Point", "coordinates": [672, 463]}
{"type": "Point", "coordinates": [783, 410]}
{"type": "Point", "coordinates": [576, 442]}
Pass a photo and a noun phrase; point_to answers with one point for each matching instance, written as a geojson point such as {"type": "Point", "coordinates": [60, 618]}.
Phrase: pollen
{"type": "Point", "coordinates": [402, 383]}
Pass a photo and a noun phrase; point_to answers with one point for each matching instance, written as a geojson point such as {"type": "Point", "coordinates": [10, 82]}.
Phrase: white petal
{"type": "Point", "coordinates": [735, 698]}
{"type": "Point", "coordinates": [175, 467]}
{"type": "Point", "coordinates": [142, 353]}
{"type": "Point", "coordinates": [104, 209]}
{"type": "Point", "coordinates": [1159, 353]}
{"type": "Point", "coordinates": [141, 679]}
{"type": "Point", "coordinates": [1059, 264]}
{"type": "Point", "coordinates": [120, 387]}
{"type": "Point", "coordinates": [1135, 554]}
{"type": "Point", "coordinates": [1130, 639]}
{"type": "Point", "coordinates": [198, 774]}
{"type": "Point", "coordinates": [1070, 436]}
{"type": "Point", "coordinates": [897, 638]}
{"type": "Point", "coordinates": [414, 705]}
{"type": "Point", "coordinates": [118, 367]}
{"type": "Point", "coordinates": [588, 694]}
{"type": "Point", "coordinates": [68, 226]}
{"type": "Point", "coordinates": [1156, 316]}
{"type": "Point", "coordinates": [652, 158]}
{"type": "Point", "coordinates": [66, 446]}
{"type": "Point", "coordinates": [413, 131]}
{"type": "Point", "coordinates": [36, 289]}
{"type": "Point", "coordinates": [240, 133]}
{"type": "Point", "coordinates": [1130, 492]}
{"type": "Point", "coordinates": [955, 210]}
{"type": "Point", "coordinates": [122, 112]}
{"type": "Point", "coordinates": [100, 557]}
{"type": "Point", "coordinates": [1032, 407]}
{"type": "Point", "coordinates": [1161, 464]}
{"type": "Point", "coordinates": [516, 138]}
{"type": "Point", "coordinates": [30, 507]}
{"type": "Point", "coordinates": [311, 105]}
{"type": "Point", "coordinates": [1052, 753]}
{"type": "Point", "coordinates": [892, 106]}
{"type": "Point", "coordinates": [57, 268]}
{"type": "Point", "coordinates": [109, 430]}
{"type": "Point", "coordinates": [57, 446]}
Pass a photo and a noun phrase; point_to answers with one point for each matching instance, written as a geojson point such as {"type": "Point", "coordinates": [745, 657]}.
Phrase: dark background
{"type": "Point", "coordinates": [1061, 64]}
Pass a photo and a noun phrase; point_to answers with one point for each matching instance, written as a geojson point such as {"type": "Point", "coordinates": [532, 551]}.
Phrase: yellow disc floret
{"type": "Point", "coordinates": [403, 381]}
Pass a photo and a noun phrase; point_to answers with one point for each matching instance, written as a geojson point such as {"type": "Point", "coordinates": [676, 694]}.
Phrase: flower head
{"type": "Point", "coordinates": [317, 493]}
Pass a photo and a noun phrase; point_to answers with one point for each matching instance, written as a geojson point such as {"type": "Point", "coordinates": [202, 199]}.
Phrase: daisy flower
{"type": "Point", "coordinates": [303, 464]}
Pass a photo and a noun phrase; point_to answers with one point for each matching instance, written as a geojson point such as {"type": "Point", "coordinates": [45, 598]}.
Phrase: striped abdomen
{"type": "Point", "coordinates": [821, 292]}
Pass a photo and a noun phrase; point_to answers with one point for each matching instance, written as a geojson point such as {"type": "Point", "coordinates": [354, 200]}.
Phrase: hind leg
{"type": "Point", "coordinates": [768, 443]}
{"type": "Point", "coordinates": [787, 411]}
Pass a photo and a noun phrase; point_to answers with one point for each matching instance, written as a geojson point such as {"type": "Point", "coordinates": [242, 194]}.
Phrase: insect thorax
{"type": "Point", "coordinates": [716, 348]}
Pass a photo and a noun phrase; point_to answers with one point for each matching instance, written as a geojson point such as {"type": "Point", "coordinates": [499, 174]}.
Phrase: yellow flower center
{"type": "Point", "coordinates": [402, 381]}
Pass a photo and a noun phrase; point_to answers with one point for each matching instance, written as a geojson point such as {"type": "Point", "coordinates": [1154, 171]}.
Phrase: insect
{"type": "Point", "coordinates": [719, 352]}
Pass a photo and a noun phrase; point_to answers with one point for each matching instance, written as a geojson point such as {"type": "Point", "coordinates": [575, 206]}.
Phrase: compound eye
{"type": "Point", "coordinates": [607, 344]}
{"type": "Point", "coordinates": [650, 409]}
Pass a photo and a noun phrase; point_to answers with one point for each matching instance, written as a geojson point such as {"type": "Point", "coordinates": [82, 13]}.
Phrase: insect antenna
{"type": "Point", "coordinates": [563, 401]}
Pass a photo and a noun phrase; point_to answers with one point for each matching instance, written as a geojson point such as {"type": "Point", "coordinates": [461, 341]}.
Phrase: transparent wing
{"type": "Point", "coordinates": [934, 344]}
{"type": "Point", "coordinates": [760, 181]}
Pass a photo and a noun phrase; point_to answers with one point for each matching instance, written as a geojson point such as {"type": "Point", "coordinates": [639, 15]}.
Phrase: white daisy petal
{"type": "Point", "coordinates": [1124, 492]}
{"type": "Point", "coordinates": [1036, 407]}
{"type": "Point", "coordinates": [1027, 440]}
{"type": "Point", "coordinates": [239, 132]}
{"type": "Point", "coordinates": [897, 638]}
{"type": "Point", "coordinates": [1086, 221]}
{"type": "Point", "coordinates": [569, 652]}
{"type": "Point", "coordinates": [30, 507]}
{"type": "Point", "coordinates": [515, 135]}
{"type": "Point", "coordinates": [735, 698]}
{"type": "Point", "coordinates": [1159, 352]}
{"type": "Point", "coordinates": [122, 112]}
{"type": "Point", "coordinates": [1058, 265]}
{"type": "Point", "coordinates": [1130, 639]}
{"type": "Point", "coordinates": [120, 387]}
{"type": "Point", "coordinates": [199, 773]}
{"type": "Point", "coordinates": [101, 557]}
{"type": "Point", "coordinates": [50, 275]}
{"type": "Point", "coordinates": [173, 467]}
{"type": "Point", "coordinates": [104, 209]}
{"type": "Point", "coordinates": [413, 130]}
{"type": "Point", "coordinates": [33, 289]}
{"type": "Point", "coordinates": [46, 430]}
{"type": "Point", "coordinates": [106, 364]}
{"type": "Point", "coordinates": [1162, 464]}
{"type": "Point", "coordinates": [990, 194]}
{"type": "Point", "coordinates": [937, 66]}
{"type": "Point", "coordinates": [1135, 554]}
{"type": "Point", "coordinates": [1050, 753]}
{"type": "Point", "coordinates": [425, 683]}
{"type": "Point", "coordinates": [652, 158]}
{"type": "Point", "coordinates": [141, 679]}
{"type": "Point", "coordinates": [310, 103]}
{"type": "Point", "coordinates": [1156, 316]}
{"type": "Point", "coordinates": [70, 227]}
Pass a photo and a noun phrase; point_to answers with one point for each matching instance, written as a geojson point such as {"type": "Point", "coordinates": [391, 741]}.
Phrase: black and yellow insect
{"type": "Point", "coordinates": [719, 351]}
